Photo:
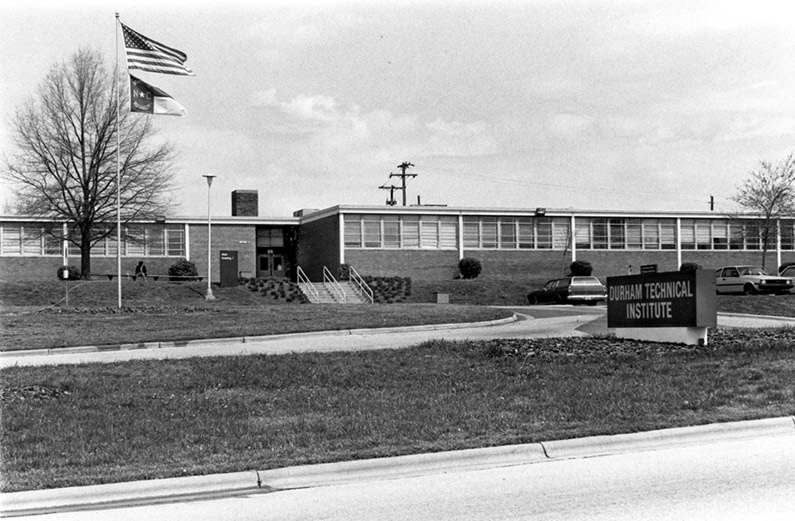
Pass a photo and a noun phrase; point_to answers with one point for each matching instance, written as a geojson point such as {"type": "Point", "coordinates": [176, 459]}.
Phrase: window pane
{"type": "Point", "coordinates": [430, 232]}
{"type": "Point", "coordinates": [599, 230]}
{"type": "Point", "coordinates": [411, 232]}
{"type": "Point", "coordinates": [544, 234]}
{"type": "Point", "coordinates": [471, 233]}
{"type": "Point", "coordinates": [651, 234]}
{"type": "Point", "coordinates": [667, 234]}
{"type": "Point", "coordinates": [31, 241]}
{"type": "Point", "coordinates": [156, 241]}
{"type": "Point", "coordinates": [526, 235]}
{"type": "Point", "coordinates": [634, 234]}
{"type": "Point", "coordinates": [508, 234]}
{"type": "Point", "coordinates": [560, 229]}
{"type": "Point", "coordinates": [176, 241]}
{"type": "Point", "coordinates": [582, 234]}
{"type": "Point", "coordinates": [353, 231]}
{"type": "Point", "coordinates": [617, 235]}
{"type": "Point", "coordinates": [448, 232]}
{"type": "Point", "coordinates": [136, 241]}
{"type": "Point", "coordinates": [488, 232]}
{"type": "Point", "coordinates": [12, 240]}
{"type": "Point", "coordinates": [688, 230]}
{"type": "Point", "coordinates": [372, 232]}
{"type": "Point", "coordinates": [52, 245]}
{"type": "Point", "coordinates": [391, 232]}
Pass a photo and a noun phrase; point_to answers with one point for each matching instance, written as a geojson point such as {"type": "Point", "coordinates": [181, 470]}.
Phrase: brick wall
{"type": "Point", "coordinates": [318, 246]}
{"type": "Point", "coordinates": [417, 264]}
{"type": "Point", "coordinates": [239, 238]}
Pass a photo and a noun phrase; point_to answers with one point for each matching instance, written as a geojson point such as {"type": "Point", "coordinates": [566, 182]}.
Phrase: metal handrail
{"type": "Point", "coordinates": [329, 280]}
{"type": "Point", "coordinates": [303, 279]}
{"type": "Point", "coordinates": [364, 289]}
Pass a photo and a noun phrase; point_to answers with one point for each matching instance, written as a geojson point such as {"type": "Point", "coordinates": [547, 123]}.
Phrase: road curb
{"type": "Point", "coordinates": [250, 339]}
{"type": "Point", "coordinates": [651, 440]}
{"type": "Point", "coordinates": [326, 474]}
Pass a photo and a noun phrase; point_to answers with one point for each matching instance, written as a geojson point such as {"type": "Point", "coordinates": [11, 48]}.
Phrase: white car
{"type": "Point", "coordinates": [750, 280]}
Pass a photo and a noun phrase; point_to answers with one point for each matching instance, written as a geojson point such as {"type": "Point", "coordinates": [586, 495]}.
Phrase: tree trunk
{"type": "Point", "coordinates": [85, 256]}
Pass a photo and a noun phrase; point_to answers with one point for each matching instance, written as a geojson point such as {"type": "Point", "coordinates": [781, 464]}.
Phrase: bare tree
{"type": "Point", "coordinates": [769, 196]}
{"type": "Point", "coordinates": [65, 166]}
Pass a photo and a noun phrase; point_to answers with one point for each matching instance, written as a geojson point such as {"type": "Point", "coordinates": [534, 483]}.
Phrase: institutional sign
{"type": "Point", "coordinates": [677, 299]}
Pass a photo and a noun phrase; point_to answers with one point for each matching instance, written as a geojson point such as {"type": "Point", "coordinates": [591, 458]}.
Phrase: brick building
{"type": "Point", "coordinates": [422, 242]}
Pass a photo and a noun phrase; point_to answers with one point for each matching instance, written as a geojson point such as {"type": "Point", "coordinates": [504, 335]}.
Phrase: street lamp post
{"type": "Point", "coordinates": [209, 295]}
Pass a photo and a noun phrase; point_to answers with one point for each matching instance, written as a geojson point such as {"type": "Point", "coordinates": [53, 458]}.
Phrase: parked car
{"type": "Point", "coordinates": [788, 272]}
{"type": "Point", "coordinates": [749, 280]}
{"type": "Point", "coordinates": [574, 290]}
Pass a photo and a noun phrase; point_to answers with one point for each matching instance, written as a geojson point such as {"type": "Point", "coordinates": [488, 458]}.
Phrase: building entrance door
{"type": "Point", "coordinates": [270, 264]}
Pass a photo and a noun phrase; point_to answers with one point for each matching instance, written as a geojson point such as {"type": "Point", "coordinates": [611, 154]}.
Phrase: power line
{"type": "Point", "coordinates": [403, 175]}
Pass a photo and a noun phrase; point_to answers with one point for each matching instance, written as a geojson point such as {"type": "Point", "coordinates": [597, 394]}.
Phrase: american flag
{"type": "Point", "coordinates": [148, 55]}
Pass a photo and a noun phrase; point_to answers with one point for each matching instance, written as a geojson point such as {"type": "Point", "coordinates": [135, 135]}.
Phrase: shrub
{"type": "Point", "coordinates": [581, 269]}
{"type": "Point", "coordinates": [344, 272]}
{"type": "Point", "coordinates": [690, 266]}
{"type": "Point", "coordinates": [183, 270]}
{"type": "Point", "coordinates": [74, 273]}
{"type": "Point", "coordinates": [469, 267]}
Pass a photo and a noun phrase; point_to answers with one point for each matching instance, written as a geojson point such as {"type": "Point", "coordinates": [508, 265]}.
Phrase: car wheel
{"type": "Point", "coordinates": [749, 289]}
{"type": "Point", "coordinates": [532, 300]}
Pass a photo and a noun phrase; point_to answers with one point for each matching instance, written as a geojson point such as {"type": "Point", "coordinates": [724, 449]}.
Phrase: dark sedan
{"type": "Point", "coordinates": [569, 290]}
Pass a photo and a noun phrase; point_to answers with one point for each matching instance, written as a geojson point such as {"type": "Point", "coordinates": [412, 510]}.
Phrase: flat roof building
{"type": "Point", "coordinates": [422, 242]}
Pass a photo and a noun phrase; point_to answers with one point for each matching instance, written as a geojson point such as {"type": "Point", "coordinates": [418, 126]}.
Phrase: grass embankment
{"type": "Point", "coordinates": [76, 425]}
{"type": "Point", "coordinates": [35, 315]}
{"type": "Point", "coordinates": [79, 425]}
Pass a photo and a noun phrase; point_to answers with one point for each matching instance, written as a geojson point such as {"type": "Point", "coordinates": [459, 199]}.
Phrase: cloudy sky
{"type": "Point", "coordinates": [617, 105]}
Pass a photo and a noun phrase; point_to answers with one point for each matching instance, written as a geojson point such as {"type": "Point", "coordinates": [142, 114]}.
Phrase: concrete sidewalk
{"type": "Point", "coordinates": [252, 482]}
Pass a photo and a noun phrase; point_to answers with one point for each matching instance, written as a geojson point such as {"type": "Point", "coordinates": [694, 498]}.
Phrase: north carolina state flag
{"type": "Point", "coordinates": [151, 100]}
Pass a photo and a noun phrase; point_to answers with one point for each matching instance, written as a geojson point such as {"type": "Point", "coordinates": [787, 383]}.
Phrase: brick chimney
{"type": "Point", "coordinates": [245, 203]}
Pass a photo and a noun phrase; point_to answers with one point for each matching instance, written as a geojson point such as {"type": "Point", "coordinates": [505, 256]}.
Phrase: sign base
{"type": "Point", "coordinates": [695, 336]}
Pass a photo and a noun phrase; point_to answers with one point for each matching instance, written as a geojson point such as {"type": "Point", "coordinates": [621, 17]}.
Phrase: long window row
{"type": "Point", "coordinates": [138, 240]}
{"type": "Point", "coordinates": [543, 233]}
{"type": "Point", "coordinates": [401, 232]}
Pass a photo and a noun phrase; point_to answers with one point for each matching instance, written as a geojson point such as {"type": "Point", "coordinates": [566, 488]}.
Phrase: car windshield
{"type": "Point", "coordinates": [750, 270]}
{"type": "Point", "coordinates": [585, 281]}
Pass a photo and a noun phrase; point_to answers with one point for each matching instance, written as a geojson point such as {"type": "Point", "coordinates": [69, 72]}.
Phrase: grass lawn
{"type": "Point", "coordinates": [77, 425]}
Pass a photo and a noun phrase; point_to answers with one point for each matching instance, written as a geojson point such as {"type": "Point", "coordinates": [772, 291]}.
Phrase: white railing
{"type": "Point", "coordinates": [303, 279]}
{"type": "Point", "coordinates": [330, 281]}
{"type": "Point", "coordinates": [361, 285]}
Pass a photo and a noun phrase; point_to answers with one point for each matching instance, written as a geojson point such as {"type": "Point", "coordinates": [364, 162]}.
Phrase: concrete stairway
{"type": "Point", "coordinates": [326, 294]}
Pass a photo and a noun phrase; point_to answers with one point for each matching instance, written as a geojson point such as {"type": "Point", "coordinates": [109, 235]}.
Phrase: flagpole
{"type": "Point", "coordinates": [118, 168]}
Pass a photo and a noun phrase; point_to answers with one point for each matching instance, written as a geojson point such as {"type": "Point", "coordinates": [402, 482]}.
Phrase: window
{"type": "Point", "coordinates": [599, 231]}
{"type": "Point", "coordinates": [526, 234]}
{"type": "Point", "coordinates": [429, 232]}
{"type": "Point", "coordinates": [12, 240]}
{"type": "Point", "coordinates": [582, 234]}
{"type": "Point", "coordinates": [471, 232]}
{"type": "Point", "coordinates": [667, 234]}
{"type": "Point", "coordinates": [544, 234]}
{"type": "Point", "coordinates": [651, 234]}
{"type": "Point", "coordinates": [508, 234]}
{"type": "Point", "coordinates": [353, 231]}
{"type": "Point", "coordinates": [617, 235]}
{"type": "Point", "coordinates": [391, 232]}
{"type": "Point", "coordinates": [720, 236]}
{"type": "Point", "coordinates": [634, 234]}
{"type": "Point", "coordinates": [176, 241]}
{"type": "Point", "coordinates": [448, 232]}
{"type": "Point", "coordinates": [411, 232]}
{"type": "Point", "coordinates": [488, 232]}
{"type": "Point", "coordinates": [372, 231]}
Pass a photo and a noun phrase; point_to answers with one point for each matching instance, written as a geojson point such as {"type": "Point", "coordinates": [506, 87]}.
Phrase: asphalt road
{"type": "Point", "coordinates": [740, 479]}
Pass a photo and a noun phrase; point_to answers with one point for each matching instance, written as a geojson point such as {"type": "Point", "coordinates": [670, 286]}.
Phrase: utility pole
{"type": "Point", "coordinates": [391, 201]}
{"type": "Point", "coordinates": [711, 203]}
{"type": "Point", "coordinates": [403, 175]}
